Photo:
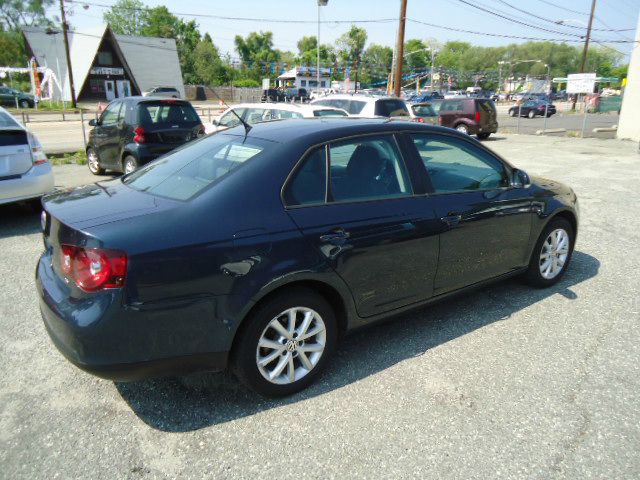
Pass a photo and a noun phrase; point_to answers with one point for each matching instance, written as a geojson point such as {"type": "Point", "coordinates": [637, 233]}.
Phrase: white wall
{"type": "Point", "coordinates": [629, 124]}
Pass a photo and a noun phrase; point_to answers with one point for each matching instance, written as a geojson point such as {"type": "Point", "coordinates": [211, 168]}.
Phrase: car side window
{"type": "Point", "coordinates": [256, 115]}
{"type": "Point", "coordinates": [367, 168]}
{"type": "Point", "coordinates": [308, 185]}
{"type": "Point", "coordinates": [230, 120]}
{"type": "Point", "coordinates": [455, 165]}
{"type": "Point", "coordinates": [110, 115]}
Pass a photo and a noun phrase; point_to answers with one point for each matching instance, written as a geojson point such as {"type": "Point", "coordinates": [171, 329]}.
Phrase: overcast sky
{"type": "Point", "coordinates": [610, 14]}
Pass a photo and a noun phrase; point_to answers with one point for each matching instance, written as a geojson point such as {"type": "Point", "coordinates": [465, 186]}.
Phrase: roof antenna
{"type": "Point", "coordinates": [247, 127]}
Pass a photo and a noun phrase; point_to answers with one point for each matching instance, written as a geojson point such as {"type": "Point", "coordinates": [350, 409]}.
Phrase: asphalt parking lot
{"type": "Point", "coordinates": [506, 382]}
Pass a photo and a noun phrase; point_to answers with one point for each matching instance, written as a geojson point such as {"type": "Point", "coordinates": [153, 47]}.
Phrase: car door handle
{"type": "Point", "coordinates": [335, 236]}
{"type": "Point", "coordinates": [452, 219]}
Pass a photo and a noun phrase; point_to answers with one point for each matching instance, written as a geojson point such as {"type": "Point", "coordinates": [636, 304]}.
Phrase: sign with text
{"type": "Point", "coordinates": [266, 84]}
{"type": "Point", "coordinates": [581, 82]}
{"type": "Point", "coordinates": [107, 71]}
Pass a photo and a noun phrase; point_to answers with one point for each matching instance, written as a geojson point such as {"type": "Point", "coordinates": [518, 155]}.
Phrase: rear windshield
{"type": "Point", "coordinates": [167, 112]}
{"type": "Point", "coordinates": [424, 111]}
{"type": "Point", "coordinates": [391, 108]}
{"type": "Point", "coordinates": [6, 120]}
{"type": "Point", "coordinates": [329, 113]}
{"type": "Point", "coordinates": [189, 170]}
{"type": "Point", "coordinates": [486, 105]}
{"type": "Point", "coordinates": [13, 137]}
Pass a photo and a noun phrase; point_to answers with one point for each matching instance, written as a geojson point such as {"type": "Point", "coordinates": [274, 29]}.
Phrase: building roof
{"type": "Point", "coordinates": [150, 60]}
{"type": "Point", "coordinates": [304, 72]}
{"type": "Point", "coordinates": [153, 61]}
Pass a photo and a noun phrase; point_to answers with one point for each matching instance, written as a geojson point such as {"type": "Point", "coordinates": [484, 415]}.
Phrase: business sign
{"type": "Point", "coordinates": [581, 82]}
{"type": "Point", "coordinates": [266, 84]}
{"type": "Point", "coordinates": [107, 71]}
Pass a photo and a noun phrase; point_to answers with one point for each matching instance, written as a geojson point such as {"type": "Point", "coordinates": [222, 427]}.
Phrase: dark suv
{"type": "Point", "coordinates": [296, 94]}
{"type": "Point", "coordinates": [473, 116]}
{"type": "Point", "coordinates": [272, 95]}
{"type": "Point", "coordinates": [135, 130]}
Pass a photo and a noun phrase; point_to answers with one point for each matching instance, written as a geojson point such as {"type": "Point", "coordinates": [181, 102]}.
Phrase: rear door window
{"type": "Point", "coordinates": [452, 106]}
{"type": "Point", "coordinates": [308, 184]}
{"type": "Point", "coordinates": [354, 106]}
{"type": "Point", "coordinates": [329, 113]}
{"type": "Point", "coordinates": [230, 119]}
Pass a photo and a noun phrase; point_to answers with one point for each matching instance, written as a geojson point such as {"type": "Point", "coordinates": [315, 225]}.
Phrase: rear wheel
{"type": "Point", "coordinates": [129, 164]}
{"type": "Point", "coordinates": [483, 136]}
{"type": "Point", "coordinates": [532, 114]}
{"type": "Point", "coordinates": [93, 162]}
{"type": "Point", "coordinates": [286, 343]}
{"type": "Point", "coordinates": [512, 113]}
{"type": "Point", "coordinates": [552, 254]}
{"type": "Point", "coordinates": [462, 128]}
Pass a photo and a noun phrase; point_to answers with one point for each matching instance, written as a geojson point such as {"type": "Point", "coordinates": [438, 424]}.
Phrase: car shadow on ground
{"type": "Point", "coordinates": [199, 401]}
{"type": "Point", "coordinates": [19, 219]}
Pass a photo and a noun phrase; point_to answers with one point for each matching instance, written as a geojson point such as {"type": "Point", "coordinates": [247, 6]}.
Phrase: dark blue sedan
{"type": "Point", "coordinates": [257, 250]}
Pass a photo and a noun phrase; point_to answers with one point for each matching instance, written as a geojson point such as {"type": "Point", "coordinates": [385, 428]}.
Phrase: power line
{"type": "Point", "coordinates": [243, 19]}
{"type": "Point", "coordinates": [563, 24]}
{"type": "Point", "coordinates": [564, 8]}
{"type": "Point", "coordinates": [515, 37]}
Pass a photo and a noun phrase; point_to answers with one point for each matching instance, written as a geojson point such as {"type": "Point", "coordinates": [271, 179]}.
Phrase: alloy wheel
{"type": "Point", "coordinates": [462, 128]}
{"type": "Point", "coordinates": [554, 253]}
{"type": "Point", "coordinates": [129, 167]}
{"type": "Point", "coordinates": [92, 160]}
{"type": "Point", "coordinates": [291, 345]}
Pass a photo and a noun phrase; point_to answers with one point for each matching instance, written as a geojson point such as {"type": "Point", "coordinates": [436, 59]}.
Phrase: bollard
{"type": "Point", "coordinates": [519, 115]}
{"type": "Point", "coordinates": [584, 121]}
{"type": "Point", "coordinates": [23, 120]}
{"type": "Point", "coordinates": [546, 115]}
{"type": "Point", "coordinates": [84, 135]}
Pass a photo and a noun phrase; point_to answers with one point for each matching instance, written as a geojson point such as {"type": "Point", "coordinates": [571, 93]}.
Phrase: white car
{"type": "Point", "coordinates": [253, 113]}
{"type": "Point", "coordinates": [166, 92]}
{"type": "Point", "coordinates": [365, 106]}
{"type": "Point", "coordinates": [25, 172]}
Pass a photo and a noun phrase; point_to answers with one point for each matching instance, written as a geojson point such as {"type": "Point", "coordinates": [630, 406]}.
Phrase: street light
{"type": "Point", "coordinates": [321, 3]}
{"type": "Point", "coordinates": [434, 52]}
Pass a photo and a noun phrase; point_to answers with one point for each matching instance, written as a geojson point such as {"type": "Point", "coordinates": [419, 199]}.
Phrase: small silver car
{"type": "Point", "coordinates": [167, 92]}
{"type": "Point", "coordinates": [25, 172]}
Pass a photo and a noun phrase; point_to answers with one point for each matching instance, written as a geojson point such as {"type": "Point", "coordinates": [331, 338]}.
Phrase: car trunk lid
{"type": "Point", "coordinates": [15, 154]}
{"type": "Point", "coordinates": [487, 111]}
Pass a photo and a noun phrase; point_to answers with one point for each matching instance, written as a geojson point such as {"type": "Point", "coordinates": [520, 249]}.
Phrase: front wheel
{"type": "Point", "coordinates": [93, 162]}
{"type": "Point", "coordinates": [483, 136]}
{"type": "Point", "coordinates": [286, 343]}
{"type": "Point", "coordinates": [532, 114]}
{"type": "Point", "coordinates": [512, 113]}
{"type": "Point", "coordinates": [129, 164]}
{"type": "Point", "coordinates": [552, 254]}
{"type": "Point", "coordinates": [24, 104]}
{"type": "Point", "coordinates": [462, 128]}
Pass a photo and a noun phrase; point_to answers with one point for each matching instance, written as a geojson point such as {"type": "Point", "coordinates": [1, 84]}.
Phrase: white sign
{"type": "Point", "coordinates": [581, 82]}
{"type": "Point", "coordinates": [107, 71]}
{"type": "Point", "coordinates": [265, 84]}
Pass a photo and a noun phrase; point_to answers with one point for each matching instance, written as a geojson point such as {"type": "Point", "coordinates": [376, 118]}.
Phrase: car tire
{"type": "Point", "coordinates": [129, 164]}
{"type": "Point", "coordinates": [462, 128]}
{"type": "Point", "coordinates": [292, 364]}
{"type": "Point", "coordinates": [24, 104]}
{"type": "Point", "coordinates": [93, 162]}
{"type": "Point", "coordinates": [542, 274]}
{"type": "Point", "coordinates": [512, 113]}
{"type": "Point", "coordinates": [483, 136]}
{"type": "Point", "coordinates": [531, 114]}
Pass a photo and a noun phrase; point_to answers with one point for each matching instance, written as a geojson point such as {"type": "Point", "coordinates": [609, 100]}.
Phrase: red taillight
{"type": "Point", "coordinates": [477, 117]}
{"type": "Point", "coordinates": [94, 268]}
{"type": "Point", "coordinates": [139, 135]}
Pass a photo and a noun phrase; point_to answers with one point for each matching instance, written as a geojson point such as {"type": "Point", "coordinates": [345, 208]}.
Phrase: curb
{"type": "Point", "coordinates": [552, 130]}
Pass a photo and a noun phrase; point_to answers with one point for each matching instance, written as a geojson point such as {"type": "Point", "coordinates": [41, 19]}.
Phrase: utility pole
{"type": "Point", "coordinates": [585, 51]}
{"type": "Point", "coordinates": [397, 81]}
{"type": "Point", "coordinates": [65, 28]}
{"type": "Point", "coordinates": [321, 3]}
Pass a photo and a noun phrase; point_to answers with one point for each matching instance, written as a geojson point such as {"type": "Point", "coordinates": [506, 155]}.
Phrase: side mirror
{"type": "Point", "coordinates": [93, 122]}
{"type": "Point", "coordinates": [520, 179]}
{"type": "Point", "coordinates": [214, 122]}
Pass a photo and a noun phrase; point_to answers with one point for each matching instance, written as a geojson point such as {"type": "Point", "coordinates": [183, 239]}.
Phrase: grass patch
{"type": "Point", "coordinates": [76, 158]}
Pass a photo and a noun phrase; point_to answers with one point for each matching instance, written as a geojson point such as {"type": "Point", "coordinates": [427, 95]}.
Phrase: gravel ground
{"type": "Point", "coordinates": [507, 382]}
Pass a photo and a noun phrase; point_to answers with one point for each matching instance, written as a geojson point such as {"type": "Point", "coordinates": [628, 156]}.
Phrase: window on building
{"type": "Point", "coordinates": [322, 83]}
{"type": "Point", "coordinates": [105, 58]}
{"type": "Point", "coordinates": [303, 83]}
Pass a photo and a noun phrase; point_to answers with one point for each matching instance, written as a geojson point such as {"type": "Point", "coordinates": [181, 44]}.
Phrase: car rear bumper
{"type": "Point", "coordinates": [33, 184]}
{"type": "Point", "coordinates": [102, 336]}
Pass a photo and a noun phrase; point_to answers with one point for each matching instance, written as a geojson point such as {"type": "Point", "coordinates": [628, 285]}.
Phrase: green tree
{"type": "Point", "coordinates": [127, 17]}
{"type": "Point", "coordinates": [18, 13]}
{"type": "Point", "coordinates": [376, 63]}
{"type": "Point", "coordinates": [256, 52]}
{"type": "Point", "coordinates": [351, 46]}
{"type": "Point", "coordinates": [12, 50]}
{"type": "Point", "coordinates": [208, 66]}
{"type": "Point", "coordinates": [160, 22]}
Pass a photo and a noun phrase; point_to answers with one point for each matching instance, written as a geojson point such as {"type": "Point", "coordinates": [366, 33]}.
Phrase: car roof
{"type": "Point", "coordinates": [355, 96]}
{"type": "Point", "coordinates": [151, 98]}
{"type": "Point", "coordinates": [322, 129]}
{"type": "Point", "coordinates": [289, 107]}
